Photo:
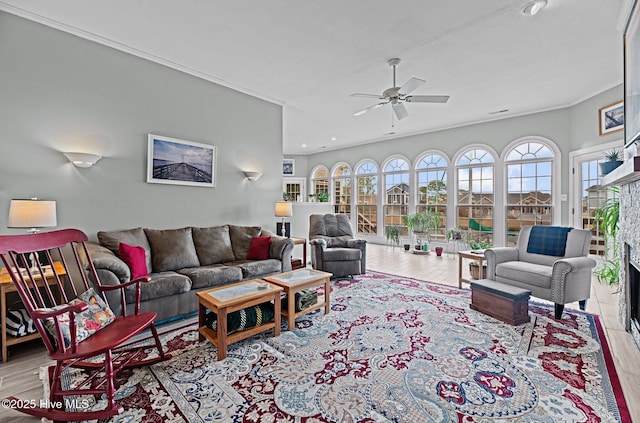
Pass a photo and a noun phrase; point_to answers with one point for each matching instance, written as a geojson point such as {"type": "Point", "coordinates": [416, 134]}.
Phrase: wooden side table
{"type": "Point", "coordinates": [476, 255]}
{"type": "Point", "coordinates": [299, 264]}
{"type": "Point", "coordinates": [234, 297]}
{"type": "Point", "coordinates": [6, 286]}
{"type": "Point", "coordinates": [296, 281]}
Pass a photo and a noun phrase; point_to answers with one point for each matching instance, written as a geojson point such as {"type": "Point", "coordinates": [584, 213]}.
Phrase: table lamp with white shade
{"type": "Point", "coordinates": [284, 209]}
{"type": "Point", "coordinates": [32, 215]}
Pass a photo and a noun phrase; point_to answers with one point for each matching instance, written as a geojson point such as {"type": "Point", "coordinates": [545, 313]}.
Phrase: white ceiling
{"type": "Point", "coordinates": [311, 55]}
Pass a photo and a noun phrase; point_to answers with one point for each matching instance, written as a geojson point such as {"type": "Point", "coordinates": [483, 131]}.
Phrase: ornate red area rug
{"type": "Point", "coordinates": [393, 349]}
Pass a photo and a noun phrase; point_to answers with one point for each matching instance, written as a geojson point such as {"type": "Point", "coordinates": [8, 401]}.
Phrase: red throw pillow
{"type": "Point", "coordinates": [259, 248]}
{"type": "Point", "coordinates": [135, 258]}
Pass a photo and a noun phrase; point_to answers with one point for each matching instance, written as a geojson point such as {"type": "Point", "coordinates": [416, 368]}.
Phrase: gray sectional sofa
{"type": "Point", "coordinates": [184, 261]}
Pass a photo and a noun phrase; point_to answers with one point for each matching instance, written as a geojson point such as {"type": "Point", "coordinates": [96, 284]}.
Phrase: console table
{"type": "Point", "coordinates": [7, 286]}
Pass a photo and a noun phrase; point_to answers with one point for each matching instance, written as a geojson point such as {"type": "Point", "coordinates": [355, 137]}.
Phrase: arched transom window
{"type": "Point", "coordinates": [367, 201]}
{"type": "Point", "coordinates": [475, 192]}
{"type": "Point", "coordinates": [529, 167]}
{"type": "Point", "coordinates": [320, 181]}
{"type": "Point", "coordinates": [396, 198]}
{"type": "Point", "coordinates": [431, 181]}
{"type": "Point", "coordinates": [341, 180]}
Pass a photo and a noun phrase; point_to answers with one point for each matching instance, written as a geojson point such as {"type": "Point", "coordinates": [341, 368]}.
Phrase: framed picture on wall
{"type": "Point", "coordinates": [287, 167]}
{"type": "Point", "coordinates": [611, 118]}
{"type": "Point", "coordinates": [180, 162]}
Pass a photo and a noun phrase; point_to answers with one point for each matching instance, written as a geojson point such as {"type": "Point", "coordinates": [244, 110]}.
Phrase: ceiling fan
{"type": "Point", "coordinates": [398, 95]}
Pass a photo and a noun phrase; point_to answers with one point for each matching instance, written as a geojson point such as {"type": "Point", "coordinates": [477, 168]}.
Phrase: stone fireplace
{"type": "Point", "coordinates": [629, 236]}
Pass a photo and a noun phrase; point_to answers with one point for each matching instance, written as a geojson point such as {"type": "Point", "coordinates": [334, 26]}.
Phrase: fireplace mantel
{"type": "Point", "coordinates": [625, 174]}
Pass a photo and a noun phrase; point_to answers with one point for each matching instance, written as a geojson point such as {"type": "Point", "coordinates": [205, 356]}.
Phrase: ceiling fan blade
{"type": "Point", "coordinates": [411, 85]}
{"type": "Point", "coordinates": [400, 111]}
{"type": "Point", "coordinates": [427, 98]}
{"type": "Point", "coordinates": [367, 95]}
{"type": "Point", "coordinates": [363, 111]}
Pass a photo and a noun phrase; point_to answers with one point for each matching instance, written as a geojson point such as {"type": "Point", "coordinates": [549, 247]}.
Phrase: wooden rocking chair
{"type": "Point", "coordinates": [75, 322]}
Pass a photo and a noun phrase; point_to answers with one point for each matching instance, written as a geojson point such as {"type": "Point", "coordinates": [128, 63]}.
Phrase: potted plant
{"type": "Point", "coordinates": [608, 215]}
{"type": "Point", "coordinates": [613, 160]}
{"type": "Point", "coordinates": [422, 223]}
{"type": "Point", "coordinates": [392, 233]}
{"type": "Point", "coordinates": [322, 197]}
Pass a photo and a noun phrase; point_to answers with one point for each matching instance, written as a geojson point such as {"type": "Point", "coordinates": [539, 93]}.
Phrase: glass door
{"type": "Point", "coordinates": [588, 194]}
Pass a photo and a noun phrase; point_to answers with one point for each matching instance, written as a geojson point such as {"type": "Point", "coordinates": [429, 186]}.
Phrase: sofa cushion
{"type": "Point", "coordinates": [135, 237]}
{"type": "Point", "coordinates": [213, 245]}
{"type": "Point", "coordinates": [258, 268]}
{"type": "Point", "coordinates": [531, 273]}
{"type": "Point", "coordinates": [341, 254]}
{"type": "Point", "coordinates": [135, 258]}
{"type": "Point", "coordinates": [172, 249]}
{"type": "Point", "coordinates": [259, 248]}
{"type": "Point", "coordinates": [211, 276]}
{"type": "Point", "coordinates": [162, 284]}
{"type": "Point", "coordinates": [241, 239]}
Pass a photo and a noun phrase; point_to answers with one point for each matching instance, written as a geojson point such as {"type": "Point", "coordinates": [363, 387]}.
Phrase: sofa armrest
{"type": "Point", "coordinates": [281, 248]}
{"type": "Point", "coordinates": [104, 260]}
{"type": "Point", "coordinates": [496, 256]}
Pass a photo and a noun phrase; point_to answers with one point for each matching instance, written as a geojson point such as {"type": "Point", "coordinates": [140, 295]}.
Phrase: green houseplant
{"type": "Point", "coordinates": [392, 233]}
{"type": "Point", "coordinates": [423, 222]}
{"type": "Point", "coordinates": [608, 215]}
{"type": "Point", "coordinates": [613, 160]}
{"type": "Point", "coordinates": [322, 197]}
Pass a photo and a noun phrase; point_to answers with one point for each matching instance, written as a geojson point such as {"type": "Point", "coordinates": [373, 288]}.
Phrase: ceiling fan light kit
{"type": "Point", "coordinates": [396, 96]}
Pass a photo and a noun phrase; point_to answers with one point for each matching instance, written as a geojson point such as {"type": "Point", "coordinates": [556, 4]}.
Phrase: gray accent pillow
{"type": "Point", "coordinates": [241, 239]}
{"type": "Point", "coordinates": [172, 249]}
{"type": "Point", "coordinates": [213, 245]}
{"type": "Point", "coordinates": [135, 237]}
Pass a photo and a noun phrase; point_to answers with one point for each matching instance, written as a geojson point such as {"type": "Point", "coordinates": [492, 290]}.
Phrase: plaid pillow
{"type": "Point", "coordinates": [97, 316]}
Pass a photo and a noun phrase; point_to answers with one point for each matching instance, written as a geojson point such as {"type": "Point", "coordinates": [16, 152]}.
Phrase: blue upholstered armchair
{"type": "Point", "coordinates": [550, 261]}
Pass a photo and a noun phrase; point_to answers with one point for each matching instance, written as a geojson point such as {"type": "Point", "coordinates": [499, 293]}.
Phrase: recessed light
{"type": "Point", "coordinates": [534, 7]}
{"type": "Point", "coordinates": [333, 138]}
{"type": "Point", "coordinates": [304, 145]}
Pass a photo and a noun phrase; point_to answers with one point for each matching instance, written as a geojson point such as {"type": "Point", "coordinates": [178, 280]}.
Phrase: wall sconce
{"type": "Point", "coordinates": [534, 7]}
{"type": "Point", "coordinates": [32, 214]}
{"type": "Point", "coordinates": [83, 160]}
{"type": "Point", "coordinates": [252, 176]}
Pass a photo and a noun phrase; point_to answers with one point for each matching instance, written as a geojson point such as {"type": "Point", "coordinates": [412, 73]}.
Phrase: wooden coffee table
{"type": "Point", "coordinates": [234, 297]}
{"type": "Point", "coordinates": [296, 281]}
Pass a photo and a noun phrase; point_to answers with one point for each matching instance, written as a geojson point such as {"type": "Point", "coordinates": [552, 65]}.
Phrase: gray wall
{"type": "Point", "coordinates": [571, 128]}
{"type": "Point", "coordinates": [61, 93]}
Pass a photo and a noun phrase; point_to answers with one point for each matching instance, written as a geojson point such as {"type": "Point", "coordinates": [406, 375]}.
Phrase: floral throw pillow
{"type": "Point", "coordinates": [97, 316]}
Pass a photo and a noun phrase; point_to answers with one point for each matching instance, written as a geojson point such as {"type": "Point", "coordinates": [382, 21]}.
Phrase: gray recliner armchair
{"type": "Point", "coordinates": [333, 247]}
{"type": "Point", "coordinates": [550, 261]}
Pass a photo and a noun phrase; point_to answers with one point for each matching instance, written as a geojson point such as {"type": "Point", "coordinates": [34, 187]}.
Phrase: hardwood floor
{"type": "Point", "coordinates": [19, 376]}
